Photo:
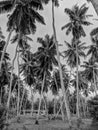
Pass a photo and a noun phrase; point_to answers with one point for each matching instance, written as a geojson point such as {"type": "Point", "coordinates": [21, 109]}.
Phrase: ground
{"type": "Point", "coordinates": [28, 123]}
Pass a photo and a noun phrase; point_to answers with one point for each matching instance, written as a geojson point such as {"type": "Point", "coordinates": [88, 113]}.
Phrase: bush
{"type": "Point", "coordinates": [93, 108]}
{"type": "Point", "coordinates": [3, 112]}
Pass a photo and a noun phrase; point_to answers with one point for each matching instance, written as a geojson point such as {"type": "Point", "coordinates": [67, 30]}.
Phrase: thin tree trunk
{"type": "Point", "coordinates": [54, 110]}
{"type": "Point", "coordinates": [1, 96]}
{"type": "Point", "coordinates": [61, 75]}
{"type": "Point", "coordinates": [60, 100]}
{"type": "Point", "coordinates": [18, 102]}
{"type": "Point", "coordinates": [94, 82]}
{"type": "Point", "coordinates": [32, 101]}
{"type": "Point", "coordinates": [41, 96]}
{"type": "Point", "coordinates": [4, 49]}
{"type": "Point", "coordinates": [11, 77]}
{"type": "Point", "coordinates": [77, 81]}
{"type": "Point", "coordinates": [22, 100]}
{"type": "Point", "coordinates": [45, 101]}
{"type": "Point", "coordinates": [61, 109]}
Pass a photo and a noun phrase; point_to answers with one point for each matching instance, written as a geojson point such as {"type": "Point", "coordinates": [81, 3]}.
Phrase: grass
{"type": "Point", "coordinates": [28, 123]}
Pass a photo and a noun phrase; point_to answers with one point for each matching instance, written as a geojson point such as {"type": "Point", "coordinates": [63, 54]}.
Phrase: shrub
{"type": "Point", "coordinates": [3, 112]}
{"type": "Point", "coordinates": [93, 108]}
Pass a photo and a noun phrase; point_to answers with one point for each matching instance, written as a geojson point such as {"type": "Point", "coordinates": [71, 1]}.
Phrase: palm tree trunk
{"type": "Point", "coordinates": [54, 109]}
{"type": "Point", "coordinates": [95, 82]}
{"type": "Point", "coordinates": [4, 49]}
{"type": "Point", "coordinates": [18, 102]}
{"type": "Point", "coordinates": [11, 77]}
{"type": "Point", "coordinates": [60, 100]}
{"type": "Point", "coordinates": [32, 101]}
{"type": "Point", "coordinates": [45, 101]}
{"type": "Point", "coordinates": [1, 96]}
{"type": "Point", "coordinates": [77, 105]}
{"type": "Point", "coordinates": [61, 75]}
{"type": "Point", "coordinates": [22, 100]}
{"type": "Point", "coordinates": [41, 96]}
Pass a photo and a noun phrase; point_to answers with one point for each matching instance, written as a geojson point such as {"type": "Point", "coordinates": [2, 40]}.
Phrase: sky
{"type": "Point", "coordinates": [60, 19]}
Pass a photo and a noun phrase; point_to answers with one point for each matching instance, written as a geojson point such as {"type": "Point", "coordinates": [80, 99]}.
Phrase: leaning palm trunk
{"type": "Point", "coordinates": [18, 101]}
{"type": "Point", "coordinates": [4, 49]}
{"type": "Point", "coordinates": [77, 80]}
{"type": "Point", "coordinates": [41, 96]}
{"type": "Point", "coordinates": [61, 75]}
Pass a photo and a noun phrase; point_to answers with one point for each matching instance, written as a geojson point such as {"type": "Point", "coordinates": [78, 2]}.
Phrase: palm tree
{"type": "Point", "coordinates": [93, 49]}
{"type": "Point", "coordinates": [91, 72]}
{"type": "Point", "coordinates": [27, 68]}
{"type": "Point", "coordinates": [56, 86]}
{"type": "Point", "coordinates": [4, 74]}
{"type": "Point", "coordinates": [77, 21]}
{"type": "Point", "coordinates": [46, 59]}
{"type": "Point", "coordinates": [22, 19]}
{"type": "Point", "coordinates": [55, 3]}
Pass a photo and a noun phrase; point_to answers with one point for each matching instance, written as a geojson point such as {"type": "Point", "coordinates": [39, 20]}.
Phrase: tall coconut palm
{"type": "Point", "coordinates": [27, 68]}
{"type": "Point", "coordinates": [46, 59]}
{"type": "Point", "coordinates": [56, 86]}
{"type": "Point", "coordinates": [23, 20]}
{"type": "Point", "coordinates": [77, 20]}
{"type": "Point", "coordinates": [23, 17]}
{"type": "Point", "coordinates": [55, 3]}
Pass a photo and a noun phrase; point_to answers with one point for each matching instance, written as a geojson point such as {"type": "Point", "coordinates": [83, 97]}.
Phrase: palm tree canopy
{"type": "Point", "coordinates": [90, 66]}
{"type": "Point", "coordinates": [83, 82]}
{"type": "Point", "coordinates": [24, 14]}
{"type": "Point", "coordinates": [77, 21]}
{"type": "Point", "coordinates": [46, 55]}
{"type": "Point", "coordinates": [71, 55]}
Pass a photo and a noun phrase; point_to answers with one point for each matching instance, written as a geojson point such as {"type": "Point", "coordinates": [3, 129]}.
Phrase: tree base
{"type": "Point", "coordinates": [36, 122]}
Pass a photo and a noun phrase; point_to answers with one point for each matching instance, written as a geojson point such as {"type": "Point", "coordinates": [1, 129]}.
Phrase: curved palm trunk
{"type": "Point", "coordinates": [4, 49]}
{"type": "Point", "coordinates": [77, 105]}
{"type": "Point", "coordinates": [61, 75]}
{"type": "Point", "coordinates": [41, 96]}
